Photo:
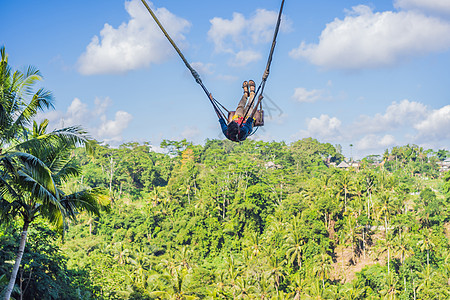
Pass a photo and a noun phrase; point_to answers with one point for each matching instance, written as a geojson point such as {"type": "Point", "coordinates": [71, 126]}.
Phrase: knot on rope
{"type": "Point", "coordinates": [266, 74]}
{"type": "Point", "coordinates": [196, 76]}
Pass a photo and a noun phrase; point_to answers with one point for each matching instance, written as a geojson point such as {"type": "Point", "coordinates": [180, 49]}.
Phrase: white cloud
{"type": "Point", "coordinates": [203, 68]}
{"type": "Point", "coordinates": [303, 95]}
{"type": "Point", "coordinates": [365, 39]}
{"type": "Point", "coordinates": [238, 36]}
{"type": "Point", "coordinates": [94, 121]}
{"type": "Point", "coordinates": [244, 57]}
{"type": "Point", "coordinates": [324, 127]}
{"type": "Point", "coordinates": [433, 6]}
{"type": "Point", "coordinates": [221, 29]}
{"type": "Point", "coordinates": [111, 130]}
{"type": "Point", "coordinates": [261, 26]}
{"type": "Point", "coordinates": [405, 113]}
{"type": "Point", "coordinates": [374, 142]}
{"type": "Point", "coordinates": [402, 123]}
{"type": "Point", "coordinates": [132, 45]}
{"type": "Point", "coordinates": [435, 127]}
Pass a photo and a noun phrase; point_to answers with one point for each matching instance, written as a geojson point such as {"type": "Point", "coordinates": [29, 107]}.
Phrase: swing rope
{"type": "Point", "coordinates": [197, 78]}
{"type": "Point", "coordinates": [267, 70]}
{"type": "Point", "coordinates": [194, 73]}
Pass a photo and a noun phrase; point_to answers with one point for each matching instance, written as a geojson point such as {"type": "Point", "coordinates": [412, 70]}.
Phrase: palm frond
{"type": "Point", "coordinates": [56, 215]}
{"type": "Point", "coordinates": [40, 129]}
{"type": "Point", "coordinates": [31, 76]}
{"type": "Point", "coordinates": [69, 169]}
{"type": "Point", "coordinates": [6, 160]}
{"type": "Point", "coordinates": [91, 200]}
{"type": "Point", "coordinates": [34, 170]}
{"type": "Point", "coordinates": [73, 135]}
{"type": "Point", "coordinates": [6, 189]}
{"type": "Point", "coordinates": [8, 210]}
{"type": "Point", "coordinates": [41, 100]}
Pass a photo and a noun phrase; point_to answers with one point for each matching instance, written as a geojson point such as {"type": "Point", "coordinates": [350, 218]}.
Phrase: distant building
{"type": "Point", "coordinates": [355, 164]}
{"type": "Point", "coordinates": [444, 166]}
{"type": "Point", "coordinates": [272, 165]}
{"type": "Point", "coordinates": [343, 165]}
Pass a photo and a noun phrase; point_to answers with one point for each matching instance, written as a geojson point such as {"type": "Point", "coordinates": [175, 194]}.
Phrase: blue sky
{"type": "Point", "coordinates": [373, 74]}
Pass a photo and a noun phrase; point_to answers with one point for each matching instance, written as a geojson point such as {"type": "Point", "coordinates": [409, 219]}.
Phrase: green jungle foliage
{"type": "Point", "coordinates": [255, 220]}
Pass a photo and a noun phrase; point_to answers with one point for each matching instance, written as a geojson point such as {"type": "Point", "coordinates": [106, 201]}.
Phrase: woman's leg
{"type": "Point", "coordinates": [240, 108]}
{"type": "Point", "coordinates": [248, 107]}
{"type": "Point", "coordinates": [250, 103]}
{"type": "Point", "coordinates": [241, 105]}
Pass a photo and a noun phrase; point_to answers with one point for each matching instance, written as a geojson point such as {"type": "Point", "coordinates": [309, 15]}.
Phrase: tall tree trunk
{"type": "Point", "coordinates": [23, 240]}
{"type": "Point", "coordinates": [389, 258]}
{"type": "Point", "coordinates": [345, 199]}
{"type": "Point", "coordinates": [364, 242]}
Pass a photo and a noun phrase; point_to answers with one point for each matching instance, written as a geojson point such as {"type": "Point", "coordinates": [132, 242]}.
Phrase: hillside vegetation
{"type": "Point", "coordinates": [256, 220]}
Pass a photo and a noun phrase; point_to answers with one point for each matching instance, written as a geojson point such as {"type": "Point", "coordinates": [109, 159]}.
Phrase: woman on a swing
{"type": "Point", "coordinates": [239, 129]}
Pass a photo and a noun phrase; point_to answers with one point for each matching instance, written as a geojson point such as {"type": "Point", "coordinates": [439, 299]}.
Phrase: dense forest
{"type": "Point", "coordinates": [253, 220]}
{"type": "Point", "coordinates": [223, 220]}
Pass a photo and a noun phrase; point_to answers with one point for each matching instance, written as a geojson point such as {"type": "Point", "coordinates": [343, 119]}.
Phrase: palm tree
{"type": "Point", "coordinates": [345, 187]}
{"type": "Point", "coordinates": [426, 288]}
{"type": "Point", "coordinates": [255, 247]}
{"type": "Point", "coordinates": [390, 290]}
{"type": "Point", "coordinates": [352, 291]}
{"type": "Point", "coordinates": [16, 111]}
{"type": "Point", "coordinates": [315, 290]}
{"type": "Point", "coordinates": [275, 270]}
{"type": "Point", "coordinates": [352, 231]}
{"type": "Point", "coordinates": [141, 267]}
{"type": "Point", "coordinates": [401, 246]}
{"type": "Point", "coordinates": [298, 285]}
{"type": "Point", "coordinates": [323, 265]}
{"type": "Point", "coordinates": [263, 286]}
{"type": "Point", "coordinates": [175, 282]}
{"type": "Point", "coordinates": [426, 243]}
{"type": "Point", "coordinates": [295, 243]}
{"type": "Point", "coordinates": [33, 164]}
{"type": "Point", "coordinates": [30, 186]}
{"type": "Point", "coordinates": [234, 270]}
{"type": "Point", "coordinates": [387, 246]}
{"type": "Point", "coordinates": [245, 288]}
{"type": "Point", "coordinates": [385, 209]}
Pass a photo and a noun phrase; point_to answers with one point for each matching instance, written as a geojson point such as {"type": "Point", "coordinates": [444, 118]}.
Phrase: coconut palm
{"type": "Point", "coordinates": [390, 289]}
{"type": "Point", "coordinates": [426, 288]}
{"type": "Point", "coordinates": [322, 266]}
{"type": "Point", "coordinates": [426, 243]}
{"type": "Point", "coordinates": [345, 187]}
{"type": "Point", "coordinates": [18, 104]}
{"type": "Point", "coordinates": [175, 283]}
{"type": "Point", "coordinates": [32, 173]}
{"type": "Point", "coordinates": [386, 245]}
{"type": "Point", "coordinates": [298, 285]}
{"type": "Point", "coordinates": [245, 288]}
{"type": "Point", "coordinates": [295, 243]}
{"type": "Point", "coordinates": [33, 164]}
{"type": "Point", "coordinates": [352, 233]}
{"type": "Point", "coordinates": [402, 247]}
{"type": "Point", "coordinates": [275, 271]}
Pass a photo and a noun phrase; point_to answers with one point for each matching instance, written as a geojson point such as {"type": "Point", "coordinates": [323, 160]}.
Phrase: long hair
{"type": "Point", "coordinates": [233, 131]}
